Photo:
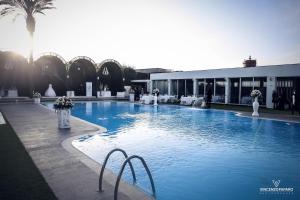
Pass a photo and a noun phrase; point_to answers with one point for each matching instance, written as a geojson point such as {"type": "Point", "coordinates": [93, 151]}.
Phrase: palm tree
{"type": "Point", "coordinates": [26, 8]}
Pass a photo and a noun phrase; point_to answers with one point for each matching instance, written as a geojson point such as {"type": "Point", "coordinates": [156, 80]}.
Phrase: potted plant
{"type": "Point", "coordinates": [63, 107]}
{"type": "Point", "coordinates": [255, 94]}
{"type": "Point", "coordinates": [37, 97]}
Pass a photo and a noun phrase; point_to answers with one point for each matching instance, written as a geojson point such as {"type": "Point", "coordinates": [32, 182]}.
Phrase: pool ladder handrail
{"type": "Point", "coordinates": [121, 172]}
{"type": "Point", "coordinates": [105, 162]}
{"type": "Point", "coordinates": [127, 161]}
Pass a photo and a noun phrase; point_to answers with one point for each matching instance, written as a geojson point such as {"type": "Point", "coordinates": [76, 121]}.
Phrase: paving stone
{"type": "Point", "coordinates": [68, 177]}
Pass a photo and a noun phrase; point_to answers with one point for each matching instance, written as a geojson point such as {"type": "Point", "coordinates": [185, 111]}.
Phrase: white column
{"type": "Point", "coordinates": [271, 86]}
{"type": "Point", "coordinates": [151, 87]}
{"type": "Point", "coordinates": [195, 87]}
{"type": "Point", "coordinates": [227, 90]}
{"type": "Point", "coordinates": [169, 87]}
{"type": "Point", "coordinates": [240, 90]}
{"type": "Point", "coordinates": [185, 87]}
{"type": "Point", "coordinates": [214, 87]}
{"type": "Point", "coordinates": [204, 90]}
{"type": "Point", "coordinates": [148, 89]}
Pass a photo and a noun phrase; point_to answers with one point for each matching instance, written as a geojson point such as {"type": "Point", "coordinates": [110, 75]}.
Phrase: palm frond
{"type": "Point", "coordinates": [7, 10]}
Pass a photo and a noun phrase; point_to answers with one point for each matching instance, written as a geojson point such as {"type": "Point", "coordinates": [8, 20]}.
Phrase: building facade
{"type": "Point", "coordinates": [232, 85]}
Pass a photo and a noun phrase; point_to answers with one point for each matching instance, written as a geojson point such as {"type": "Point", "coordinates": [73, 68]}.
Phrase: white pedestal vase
{"type": "Point", "coordinates": [155, 100]}
{"type": "Point", "coordinates": [37, 100]}
{"type": "Point", "coordinates": [131, 97]}
{"type": "Point", "coordinates": [255, 105]}
{"type": "Point", "coordinates": [64, 118]}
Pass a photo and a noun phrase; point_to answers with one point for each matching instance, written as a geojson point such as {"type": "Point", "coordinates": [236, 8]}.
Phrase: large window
{"type": "Point", "coordinates": [162, 85]}
{"type": "Point", "coordinates": [260, 83]}
{"type": "Point", "coordinates": [285, 87]}
{"type": "Point", "coordinates": [246, 88]}
{"type": "Point", "coordinates": [201, 85]}
{"type": "Point", "coordinates": [209, 85]}
{"type": "Point", "coordinates": [174, 89]}
{"type": "Point", "coordinates": [234, 90]}
{"type": "Point", "coordinates": [220, 91]}
{"type": "Point", "coordinates": [181, 88]}
{"type": "Point", "coordinates": [189, 87]}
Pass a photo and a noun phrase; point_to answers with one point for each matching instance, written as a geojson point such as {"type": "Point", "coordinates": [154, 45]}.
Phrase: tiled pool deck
{"type": "Point", "coordinates": [69, 173]}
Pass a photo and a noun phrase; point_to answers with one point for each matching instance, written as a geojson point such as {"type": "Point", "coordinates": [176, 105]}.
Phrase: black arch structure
{"type": "Point", "coordinates": [50, 68]}
{"type": "Point", "coordinates": [14, 73]}
{"type": "Point", "coordinates": [81, 70]}
{"type": "Point", "coordinates": [111, 74]}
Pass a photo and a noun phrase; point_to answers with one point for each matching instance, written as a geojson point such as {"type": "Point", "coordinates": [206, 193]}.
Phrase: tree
{"type": "Point", "coordinates": [28, 9]}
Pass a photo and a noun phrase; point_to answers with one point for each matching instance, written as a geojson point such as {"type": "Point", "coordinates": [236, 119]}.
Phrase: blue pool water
{"type": "Point", "coordinates": [197, 154]}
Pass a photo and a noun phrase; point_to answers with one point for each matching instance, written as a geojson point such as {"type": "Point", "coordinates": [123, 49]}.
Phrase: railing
{"type": "Point", "coordinates": [121, 172]}
{"type": "Point", "coordinates": [127, 161]}
{"type": "Point", "coordinates": [105, 162]}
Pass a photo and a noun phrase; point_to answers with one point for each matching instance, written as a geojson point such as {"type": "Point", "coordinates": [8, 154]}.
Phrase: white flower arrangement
{"type": "Point", "coordinates": [63, 103]}
{"type": "Point", "coordinates": [36, 95]}
{"type": "Point", "coordinates": [155, 91]}
{"type": "Point", "coordinates": [255, 93]}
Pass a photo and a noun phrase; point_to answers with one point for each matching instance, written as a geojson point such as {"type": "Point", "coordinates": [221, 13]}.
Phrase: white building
{"type": "Point", "coordinates": [231, 85]}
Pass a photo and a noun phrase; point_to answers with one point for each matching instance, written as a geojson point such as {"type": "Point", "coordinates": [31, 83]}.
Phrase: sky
{"type": "Point", "coordinates": [172, 34]}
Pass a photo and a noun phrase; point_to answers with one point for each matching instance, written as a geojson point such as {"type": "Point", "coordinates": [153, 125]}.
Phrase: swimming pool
{"type": "Point", "coordinates": [194, 153]}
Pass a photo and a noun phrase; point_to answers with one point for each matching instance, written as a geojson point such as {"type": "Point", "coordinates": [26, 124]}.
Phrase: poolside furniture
{"type": "Point", "coordinates": [199, 102]}
{"type": "Point", "coordinates": [106, 93]}
{"type": "Point", "coordinates": [246, 100]}
{"type": "Point", "coordinates": [165, 98]}
{"type": "Point", "coordinates": [12, 93]}
{"type": "Point", "coordinates": [187, 100]}
{"type": "Point", "coordinates": [218, 99]}
{"type": "Point", "coordinates": [120, 94]}
{"type": "Point", "coordinates": [70, 94]}
{"type": "Point", "coordinates": [147, 99]}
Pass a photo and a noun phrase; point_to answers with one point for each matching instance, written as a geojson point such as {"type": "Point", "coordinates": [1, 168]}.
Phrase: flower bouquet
{"type": "Point", "coordinates": [255, 93]}
{"type": "Point", "coordinates": [63, 106]}
{"type": "Point", "coordinates": [155, 92]}
{"type": "Point", "coordinates": [63, 103]}
{"type": "Point", "coordinates": [36, 96]}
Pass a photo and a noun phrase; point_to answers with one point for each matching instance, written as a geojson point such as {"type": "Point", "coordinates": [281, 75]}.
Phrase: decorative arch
{"type": "Point", "coordinates": [54, 55]}
{"type": "Point", "coordinates": [50, 68]}
{"type": "Point", "coordinates": [110, 74]}
{"type": "Point", "coordinates": [81, 58]}
{"type": "Point", "coordinates": [14, 73]}
{"type": "Point", "coordinates": [109, 60]}
{"type": "Point", "coordinates": [81, 69]}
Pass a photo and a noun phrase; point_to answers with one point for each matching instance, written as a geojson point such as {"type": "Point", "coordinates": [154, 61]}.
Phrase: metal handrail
{"type": "Point", "coordinates": [121, 172]}
{"type": "Point", "coordinates": [105, 162]}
